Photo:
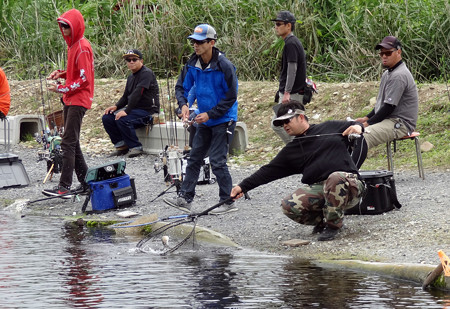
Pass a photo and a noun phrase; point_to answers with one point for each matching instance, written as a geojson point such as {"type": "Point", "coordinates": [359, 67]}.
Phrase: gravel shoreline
{"type": "Point", "coordinates": [412, 234]}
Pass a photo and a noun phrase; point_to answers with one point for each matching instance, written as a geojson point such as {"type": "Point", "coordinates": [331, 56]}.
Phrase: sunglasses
{"type": "Point", "coordinates": [131, 59]}
{"type": "Point", "coordinates": [199, 42]}
{"type": "Point", "coordinates": [286, 121]}
{"type": "Point", "coordinates": [387, 53]}
{"type": "Point", "coordinates": [279, 24]}
{"type": "Point", "coordinates": [65, 26]}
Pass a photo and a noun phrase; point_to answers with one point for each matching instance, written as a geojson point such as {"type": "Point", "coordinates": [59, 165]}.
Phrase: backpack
{"type": "Point", "coordinates": [309, 90]}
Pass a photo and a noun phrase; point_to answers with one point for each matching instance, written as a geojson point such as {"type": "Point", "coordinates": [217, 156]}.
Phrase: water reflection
{"type": "Point", "coordinates": [78, 269]}
{"type": "Point", "coordinates": [307, 285]}
{"type": "Point", "coordinates": [213, 287]}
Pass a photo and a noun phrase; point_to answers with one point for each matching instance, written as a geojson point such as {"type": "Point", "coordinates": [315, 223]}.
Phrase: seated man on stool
{"type": "Point", "coordinates": [396, 109]}
{"type": "Point", "coordinates": [134, 109]}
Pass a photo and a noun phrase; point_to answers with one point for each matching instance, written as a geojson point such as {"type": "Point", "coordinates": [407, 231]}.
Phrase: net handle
{"type": "Point", "coordinates": [206, 211]}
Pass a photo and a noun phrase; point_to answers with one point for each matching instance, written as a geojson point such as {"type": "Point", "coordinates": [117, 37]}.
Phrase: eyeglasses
{"type": "Point", "coordinates": [279, 24]}
{"type": "Point", "coordinates": [286, 121]}
{"type": "Point", "coordinates": [131, 59]}
{"type": "Point", "coordinates": [65, 26]}
{"type": "Point", "coordinates": [199, 42]}
{"type": "Point", "coordinates": [387, 53]}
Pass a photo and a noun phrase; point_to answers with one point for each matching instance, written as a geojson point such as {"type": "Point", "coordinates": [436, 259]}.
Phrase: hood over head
{"type": "Point", "coordinates": [75, 20]}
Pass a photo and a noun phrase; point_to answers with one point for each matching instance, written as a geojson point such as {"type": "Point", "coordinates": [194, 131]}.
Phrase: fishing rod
{"type": "Point", "coordinates": [71, 193]}
{"type": "Point", "coordinates": [351, 136]}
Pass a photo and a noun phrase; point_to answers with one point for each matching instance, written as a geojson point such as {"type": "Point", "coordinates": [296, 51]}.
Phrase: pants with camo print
{"type": "Point", "coordinates": [325, 201]}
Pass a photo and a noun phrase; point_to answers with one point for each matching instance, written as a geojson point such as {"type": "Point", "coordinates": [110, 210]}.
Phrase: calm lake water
{"type": "Point", "coordinates": [45, 264]}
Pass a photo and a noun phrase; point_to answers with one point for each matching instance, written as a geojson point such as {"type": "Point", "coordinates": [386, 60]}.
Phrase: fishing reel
{"type": "Point", "coordinates": [52, 152]}
{"type": "Point", "coordinates": [170, 161]}
{"type": "Point", "coordinates": [353, 136]}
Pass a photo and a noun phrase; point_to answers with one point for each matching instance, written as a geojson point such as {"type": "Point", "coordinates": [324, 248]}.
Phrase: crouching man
{"type": "Point", "coordinates": [320, 153]}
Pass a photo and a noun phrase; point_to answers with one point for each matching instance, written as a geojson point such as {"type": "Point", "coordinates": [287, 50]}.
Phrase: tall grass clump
{"type": "Point", "coordinates": [339, 36]}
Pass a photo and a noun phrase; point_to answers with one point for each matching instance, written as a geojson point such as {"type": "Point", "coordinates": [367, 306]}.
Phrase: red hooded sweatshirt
{"type": "Point", "coordinates": [5, 97]}
{"type": "Point", "coordinates": [79, 86]}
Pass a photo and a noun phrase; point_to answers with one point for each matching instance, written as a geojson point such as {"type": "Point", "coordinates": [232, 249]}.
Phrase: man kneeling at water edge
{"type": "Point", "coordinates": [320, 153]}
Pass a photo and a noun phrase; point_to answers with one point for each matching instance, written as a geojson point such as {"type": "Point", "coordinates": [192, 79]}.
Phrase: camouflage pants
{"type": "Point", "coordinates": [324, 201]}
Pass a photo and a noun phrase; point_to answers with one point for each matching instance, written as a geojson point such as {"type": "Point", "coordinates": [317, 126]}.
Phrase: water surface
{"type": "Point", "coordinates": [44, 263]}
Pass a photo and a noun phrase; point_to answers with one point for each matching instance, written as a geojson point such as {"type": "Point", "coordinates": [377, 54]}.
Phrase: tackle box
{"type": "Point", "coordinates": [380, 195]}
{"type": "Point", "coordinates": [112, 193]}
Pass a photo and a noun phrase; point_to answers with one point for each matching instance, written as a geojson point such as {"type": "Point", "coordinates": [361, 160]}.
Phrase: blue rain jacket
{"type": "Point", "coordinates": [216, 87]}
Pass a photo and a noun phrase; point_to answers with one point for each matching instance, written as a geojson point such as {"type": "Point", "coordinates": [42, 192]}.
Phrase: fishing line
{"type": "Point", "coordinates": [181, 219]}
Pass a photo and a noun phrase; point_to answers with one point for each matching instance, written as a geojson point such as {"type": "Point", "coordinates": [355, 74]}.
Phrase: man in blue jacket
{"type": "Point", "coordinates": [216, 88]}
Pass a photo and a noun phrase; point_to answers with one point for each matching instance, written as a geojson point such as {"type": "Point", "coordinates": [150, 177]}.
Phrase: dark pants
{"type": "Point", "coordinates": [124, 128]}
{"type": "Point", "coordinates": [216, 140]}
{"type": "Point", "coordinates": [72, 157]}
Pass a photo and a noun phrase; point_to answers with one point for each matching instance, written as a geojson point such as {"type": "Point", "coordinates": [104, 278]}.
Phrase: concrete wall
{"type": "Point", "coordinates": [172, 133]}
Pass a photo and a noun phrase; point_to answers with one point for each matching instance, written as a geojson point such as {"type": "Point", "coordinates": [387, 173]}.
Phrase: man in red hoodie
{"type": "Point", "coordinates": [5, 97]}
{"type": "Point", "coordinates": [78, 93]}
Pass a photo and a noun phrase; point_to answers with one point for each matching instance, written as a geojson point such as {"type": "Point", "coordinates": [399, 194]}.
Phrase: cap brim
{"type": "Point", "coordinates": [278, 122]}
{"type": "Point", "coordinates": [197, 37]}
{"type": "Point", "coordinates": [383, 45]}
{"type": "Point", "coordinates": [131, 55]}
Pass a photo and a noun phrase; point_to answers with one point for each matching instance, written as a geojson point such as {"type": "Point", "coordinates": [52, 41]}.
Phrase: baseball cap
{"type": "Point", "coordinates": [389, 42]}
{"type": "Point", "coordinates": [285, 16]}
{"type": "Point", "coordinates": [131, 53]}
{"type": "Point", "coordinates": [277, 122]}
{"type": "Point", "coordinates": [203, 32]}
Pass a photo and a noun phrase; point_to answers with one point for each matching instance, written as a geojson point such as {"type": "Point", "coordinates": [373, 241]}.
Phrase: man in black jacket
{"type": "Point", "coordinates": [292, 80]}
{"type": "Point", "coordinates": [134, 109]}
{"type": "Point", "coordinates": [320, 153]}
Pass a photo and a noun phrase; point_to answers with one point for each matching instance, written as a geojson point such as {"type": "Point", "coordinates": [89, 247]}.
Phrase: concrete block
{"type": "Point", "coordinates": [161, 135]}
{"type": "Point", "coordinates": [19, 126]}
{"type": "Point", "coordinates": [240, 139]}
{"type": "Point", "coordinates": [172, 133]}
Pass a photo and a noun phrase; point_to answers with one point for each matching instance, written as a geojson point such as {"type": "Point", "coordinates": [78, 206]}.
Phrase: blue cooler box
{"type": "Point", "coordinates": [104, 197]}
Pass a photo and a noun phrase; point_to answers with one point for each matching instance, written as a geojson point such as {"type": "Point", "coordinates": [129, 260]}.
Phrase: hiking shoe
{"type": "Point", "coordinates": [179, 203]}
{"type": "Point", "coordinates": [328, 233]}
{"type": "Point", "coordinates": [225, 208]}
{"type": "Point", "coordinates": [82, 189]}
{"type": "Point", "coordinates": [120, 151]}
{"type": "Point", "coordinates": [134, 152]}
{"type": "Point", "coordinates": [318, 228]}
{"type": "Point", "coordinates": [59, 191]}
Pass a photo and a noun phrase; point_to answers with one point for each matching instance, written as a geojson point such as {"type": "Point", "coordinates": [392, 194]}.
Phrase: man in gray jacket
{"type": "Point", "coordinates": [397, 105]}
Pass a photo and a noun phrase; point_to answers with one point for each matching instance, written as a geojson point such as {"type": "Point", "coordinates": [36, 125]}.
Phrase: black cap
{"type": "Point", "coordinates": [389, 42]}
{"type": "Point", "coordinates": [131, 53]}
{"type": "Point", "coordinates": [285, 16]}
{"type": "Point", "coordinates": [278, 122]}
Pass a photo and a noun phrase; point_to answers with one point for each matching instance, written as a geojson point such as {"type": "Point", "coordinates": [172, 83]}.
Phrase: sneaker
{"type": "Point", "coordinates": [120, 151]}
{"type": "Point", "coordinates": [134, 152]}
{"type": "Point", "coordinates": [59, 191]}
{"type": "Point", "coordinates": [328, 233]}
{"type": "Point", "coordinates": [318, 228]}
{"type": "Point", "coordinates": [82, 189]}
{"type": "Point", "coordinates": [179, 203]}
{"type": "Point", "coordinates": [225, 208]}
